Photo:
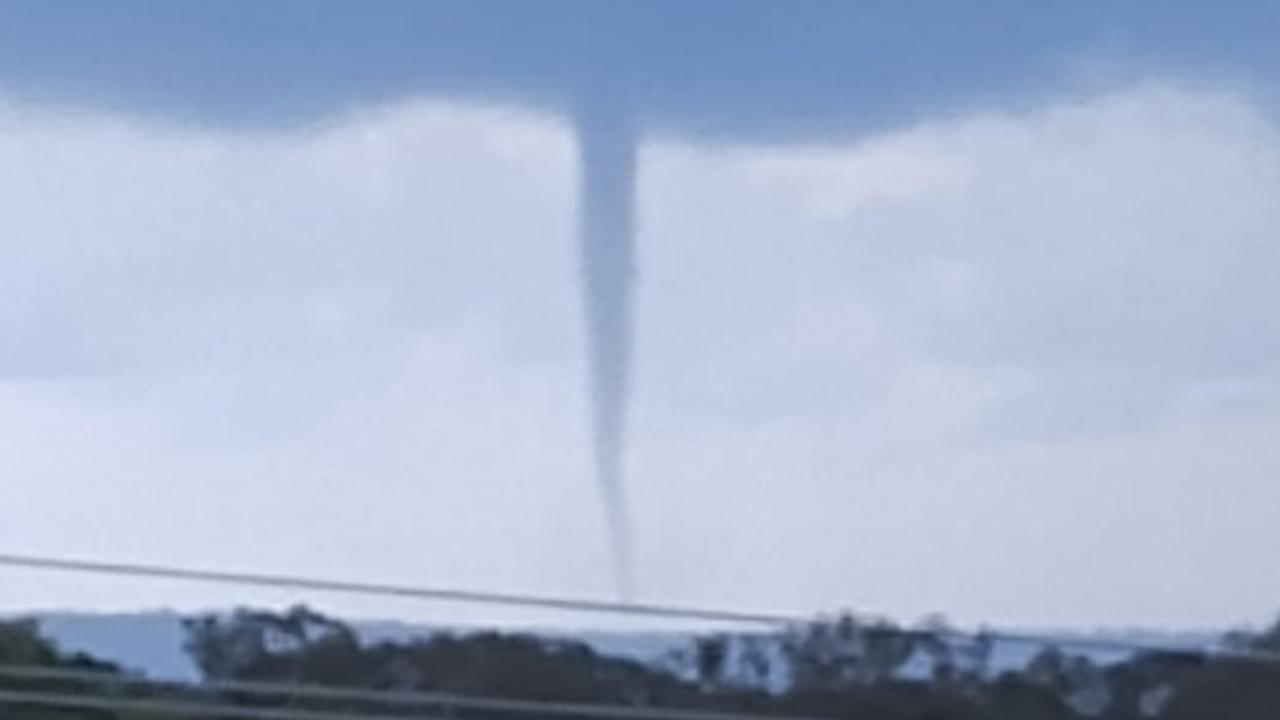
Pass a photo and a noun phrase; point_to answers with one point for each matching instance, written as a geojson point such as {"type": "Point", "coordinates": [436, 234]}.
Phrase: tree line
{"type": "Point", "coordinates": [837, 668]}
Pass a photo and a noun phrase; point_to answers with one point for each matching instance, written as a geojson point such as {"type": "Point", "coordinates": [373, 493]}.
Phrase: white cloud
{"type": "Point", "coordinates": [356, 345]}
{"type": "Point", "coordinates": [973, 386]}
{"type": "Point", "coordinates": [1010, 366]}
{"type": "Point", "coordinates": [1121, 242]}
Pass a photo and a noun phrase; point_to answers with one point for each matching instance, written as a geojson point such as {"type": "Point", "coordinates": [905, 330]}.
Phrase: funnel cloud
{"type": "Point", "coordinates": [607, 157]}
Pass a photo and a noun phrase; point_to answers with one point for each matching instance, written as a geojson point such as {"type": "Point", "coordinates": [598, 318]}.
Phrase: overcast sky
{"type": "Point", "coordinates": [1018, 363]}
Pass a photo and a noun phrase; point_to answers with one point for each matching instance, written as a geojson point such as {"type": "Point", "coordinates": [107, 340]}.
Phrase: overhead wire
{"type": "Point", "coordinates": [651, 610]}
{"type": "Point", "coordinates": [400, 698]}
{"type": "Point", "coordinates": [66, 700]}
{"type": "Point", "coordinates": [475, 597]}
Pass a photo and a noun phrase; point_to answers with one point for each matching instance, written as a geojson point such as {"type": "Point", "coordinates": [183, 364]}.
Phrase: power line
{"type": "Point", "coordinates": [477, 597]}
{"type": "Point", "coordinates": [226, 710]}
{"type": "Point", "coordinates": [671, 612]}
{"type": "Point", "coordinates": [176, 707]}
{"type": "Point", "coordinates": [386, 697]}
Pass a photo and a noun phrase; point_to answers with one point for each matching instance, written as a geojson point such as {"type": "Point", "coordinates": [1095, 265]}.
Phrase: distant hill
{"type": "Point", "coordinates": [151, 642]}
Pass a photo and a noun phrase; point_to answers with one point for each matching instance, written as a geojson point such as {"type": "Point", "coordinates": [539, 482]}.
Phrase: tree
{"type": "Point", "coordinates": [838, 653]}
{"type": "Point", "coordinates": [261, 645]}
{"type": "Point", "coordinates": [710, 654]}
{"type": "Point", "coordinates": [21, 644]}
{"type": "Point", "coordinates": [837, 668]}
{"type": "Point", "coordinates": [303, 646]}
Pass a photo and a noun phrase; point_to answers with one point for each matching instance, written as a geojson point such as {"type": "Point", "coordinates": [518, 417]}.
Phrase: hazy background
{"type": "Point", "coordinates": [1015, 361]}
